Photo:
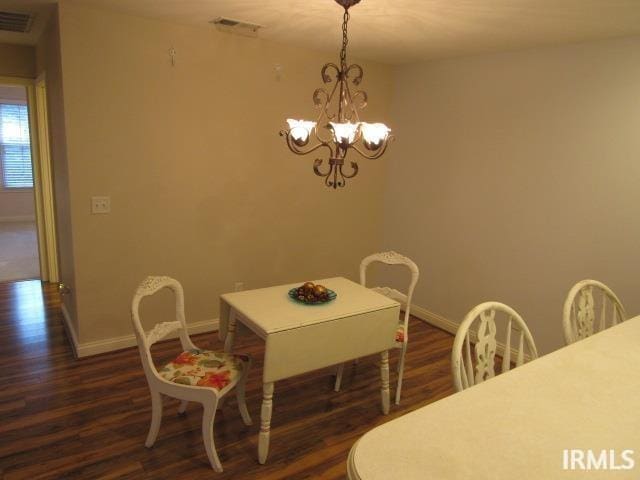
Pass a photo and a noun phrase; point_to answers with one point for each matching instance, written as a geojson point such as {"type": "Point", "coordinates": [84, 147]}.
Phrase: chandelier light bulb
{"type": "Point", "coordinates": [374, 134]}
{"type": "Point", "coordinates": [300, 130]}
{"type": "Point", "coordinates": [344, 133]}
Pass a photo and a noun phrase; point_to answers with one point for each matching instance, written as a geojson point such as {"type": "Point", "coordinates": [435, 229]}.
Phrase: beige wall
{"type": "Point", "coordinates": [517, 174]}
{"type": "Point", "coordinates": [202, 187]}
{"type": "Point", "coordinates": [48, 57]}
{"type": "Point", "coordinates": [17, 60]}
{"type": "Point", "coordinates": [16, 205]}
{"type": "Point", "coordinates": [13, 94]}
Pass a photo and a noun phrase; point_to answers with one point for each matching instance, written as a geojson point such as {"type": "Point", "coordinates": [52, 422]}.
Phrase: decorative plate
{"type": "Point", "coordinates": [293, 293]}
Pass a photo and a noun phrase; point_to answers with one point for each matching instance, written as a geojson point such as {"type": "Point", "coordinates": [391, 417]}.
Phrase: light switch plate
{"type": "Point", "coordinates": [100, 205]}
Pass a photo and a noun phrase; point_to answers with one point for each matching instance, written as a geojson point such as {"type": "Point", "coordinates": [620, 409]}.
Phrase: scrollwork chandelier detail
{"type": "Point", "coordinates": [338, 127]}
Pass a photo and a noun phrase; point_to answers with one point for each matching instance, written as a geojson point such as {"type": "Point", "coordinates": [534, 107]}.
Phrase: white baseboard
{"type": "Point", "coordinates": [96, 347]}
{"type": "Point", "coordinates": [71, 332]}
{"type": "Point", "coordinates": [434, 319]}
{"type": "Point", "coordinates": [452, 327]}
{"type": "Point", "coordinates": [19, 218]}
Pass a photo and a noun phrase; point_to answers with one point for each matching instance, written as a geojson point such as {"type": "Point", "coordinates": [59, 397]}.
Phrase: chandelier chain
{"type": "Point", "coordinates": [345, 41]}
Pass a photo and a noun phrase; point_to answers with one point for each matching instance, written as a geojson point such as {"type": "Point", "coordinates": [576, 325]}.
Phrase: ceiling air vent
{"type": "Point", "coordinates": [15, 22]}
{"type": "Point", "coordinates": [236, 26]}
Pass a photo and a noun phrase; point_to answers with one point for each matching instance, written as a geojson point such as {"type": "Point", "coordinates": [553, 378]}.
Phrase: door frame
{"type": "Point", "coordinates": [42, 176]}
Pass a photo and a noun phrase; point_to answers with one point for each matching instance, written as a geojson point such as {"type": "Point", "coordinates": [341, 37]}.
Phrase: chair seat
{"type": "Point", "coordinates": [204, 368]}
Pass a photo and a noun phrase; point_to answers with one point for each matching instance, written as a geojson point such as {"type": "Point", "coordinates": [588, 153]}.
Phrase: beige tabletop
{"type": "Point", "coordinates": [270, 310]}
{"type": "Point", "coordinates": [517, 425]}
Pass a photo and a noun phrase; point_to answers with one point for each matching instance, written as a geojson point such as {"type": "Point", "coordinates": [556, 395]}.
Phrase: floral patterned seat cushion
{"type": "Point", "coordinates": [400, 333]}
{"type": "Point", "coordinates": [204, 368]}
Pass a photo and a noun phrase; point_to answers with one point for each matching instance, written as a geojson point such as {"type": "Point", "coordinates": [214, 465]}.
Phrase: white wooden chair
{"type": "Point", "coordinates": [402, 333]}
{"type": "Point", "coordinates": [579, 312]}
{"type": "Point", "coordinates": [195, 375]}
{"type": "Point", "coordinates": [473, 358]}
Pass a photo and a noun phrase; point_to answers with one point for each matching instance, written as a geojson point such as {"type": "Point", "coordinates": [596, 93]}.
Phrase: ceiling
{"type": "Point", "coordinates": [397, 31]}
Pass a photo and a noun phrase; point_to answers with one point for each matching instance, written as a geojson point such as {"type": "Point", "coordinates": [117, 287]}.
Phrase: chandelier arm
{"type": "Point", "coordinates": [354, 170]}
{"type": "Point", "coordinates": [316, 168]}
{"type": "Point", "coordinates": [376, 153]}
{"type": "Point", "coordinates": [328, 141]}
{"type": "Point", "coordinates": [321, 98]}
{"type": "Point", "coordinates": [336, 182]}
{"type": "Point", "coordinates": [342, 102]}
{"type": "Point", "coordinates": [297, 150]}
{"type": "Point", "coordinates": [353, 105]}
{"type": "Point", "coordinates": [345, 98]}
{"type": "Point", "coordinates": [325, 76]}
{"type": "Point", "coordinates": [320, 130]}
{"type": "Point", "coordinates": [339, 178]}
{"type": "Point", "coordinates": [327, 179]}
{"type": "Point", "coordinates": [326, 105]}
{"type": "Point", "coordinates": [358, 78]}
{"type": "Point", "coordinates": [359, 100]}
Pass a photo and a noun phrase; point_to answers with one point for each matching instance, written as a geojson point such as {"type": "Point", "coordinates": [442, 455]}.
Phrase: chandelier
{"type": "Point", "coordinates": [338, 127]}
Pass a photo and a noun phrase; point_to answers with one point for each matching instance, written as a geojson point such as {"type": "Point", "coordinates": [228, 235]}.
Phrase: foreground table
{"type": "Point", "coordinates": [300, 338]}
{"type": "Point", "coordinates": [538, 421]}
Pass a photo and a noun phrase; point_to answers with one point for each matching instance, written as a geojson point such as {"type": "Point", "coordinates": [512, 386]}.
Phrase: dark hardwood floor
{"type": "Point", "coordinates": [62, 418]}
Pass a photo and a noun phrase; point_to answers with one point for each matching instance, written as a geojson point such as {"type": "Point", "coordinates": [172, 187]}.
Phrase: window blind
{"type": "Point", "coordinates": [15, 148]}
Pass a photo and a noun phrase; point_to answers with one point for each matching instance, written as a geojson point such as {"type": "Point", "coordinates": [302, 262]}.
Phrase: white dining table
{"type": "Point", "coordinates": [300, 338]}
{"type": "Point", "coordinates": [538, 421]}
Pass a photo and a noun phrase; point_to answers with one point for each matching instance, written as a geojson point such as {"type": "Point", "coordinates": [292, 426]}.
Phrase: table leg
{"type": "Point", "coordinates": [384, 374]}
{"type": "Point", "coordinates": [231, 333]}
{"type": "Point", "coordinates": [265, 422]}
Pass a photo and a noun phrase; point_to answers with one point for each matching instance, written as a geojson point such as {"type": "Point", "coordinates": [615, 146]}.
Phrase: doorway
{"type": "Point", "coordinates": [19, 258]}
{"type": "Point", "coordinates": [27, 233]}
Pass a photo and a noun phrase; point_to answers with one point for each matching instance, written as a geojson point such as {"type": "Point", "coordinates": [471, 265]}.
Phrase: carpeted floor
{"type": "Point", "coordinates": [18, 251]}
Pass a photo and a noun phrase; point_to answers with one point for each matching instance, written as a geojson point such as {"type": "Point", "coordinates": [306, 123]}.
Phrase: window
{"type": "Point", "coordinates": [15, 146]}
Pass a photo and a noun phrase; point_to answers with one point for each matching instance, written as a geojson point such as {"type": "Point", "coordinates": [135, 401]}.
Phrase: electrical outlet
{"type": "Point", "coordinates": [100, 205]}
{"type": "Point", "coordinates": [238, 286]}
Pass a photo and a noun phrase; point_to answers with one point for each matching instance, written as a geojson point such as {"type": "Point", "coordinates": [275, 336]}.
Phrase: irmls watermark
{"type": "Point", "coordinates": [587, 459]}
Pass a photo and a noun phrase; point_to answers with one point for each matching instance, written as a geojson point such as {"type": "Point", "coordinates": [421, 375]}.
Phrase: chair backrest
{"type": "Point", "coordinates": [150, 286]}
{"type": "Point", "coordinates": [579, 313]}
{"type": "Point", "coordinates": [393, 258]}
{"type": "Point", "coordinates": [473, 358]}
